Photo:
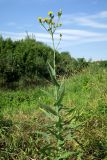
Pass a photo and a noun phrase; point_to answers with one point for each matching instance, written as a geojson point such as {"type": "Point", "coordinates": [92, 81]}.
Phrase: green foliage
{"type": "Point", "coordinates": [23, 133]}
{"type": "Point", "coordinates": [25, 61]}
{"type": "Point", "coordinates": [25, 58]}
{"type": "Point", "coordinates": [73, 125]}
{"type": "Point", "coordinates": [61, 125]}
{"type": "Point", "coordinates": [58, 130]}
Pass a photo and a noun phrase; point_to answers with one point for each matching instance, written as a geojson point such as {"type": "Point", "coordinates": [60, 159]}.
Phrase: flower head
{"type": "Point", "coordinates": [46, 20]}
{"type": "Point", "coordinates": [40, 19]}
{"type": "Point", "coordinates": [50, 13]}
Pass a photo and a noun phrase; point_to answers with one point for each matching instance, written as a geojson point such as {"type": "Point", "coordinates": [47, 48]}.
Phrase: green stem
{"type": "Point", "coordinates": [54, 65]}
{"type": "Point", "coordinates": [56, 93]}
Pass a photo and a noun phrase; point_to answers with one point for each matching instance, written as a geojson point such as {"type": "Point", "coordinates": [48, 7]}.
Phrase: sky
{"type": "Point", "coordinates": [84, 24]}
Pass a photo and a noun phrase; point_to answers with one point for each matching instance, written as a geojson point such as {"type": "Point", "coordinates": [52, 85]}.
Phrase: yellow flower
{"type": "Point", "coordinates": [50, 13]}
{"type": "Point", "coordinates": [46, 20]}
{"type": "Point", "coordinates": [40, 19]}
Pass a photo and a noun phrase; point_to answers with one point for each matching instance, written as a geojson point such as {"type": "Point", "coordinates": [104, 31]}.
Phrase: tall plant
{"type": "Point", "coordinates": [56, 112]}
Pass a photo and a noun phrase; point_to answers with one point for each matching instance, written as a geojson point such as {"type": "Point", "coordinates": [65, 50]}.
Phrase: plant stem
{"type": "Point", "coordinates": [54, 65]}
{"type": "Point", "coordinates": [56, 96]}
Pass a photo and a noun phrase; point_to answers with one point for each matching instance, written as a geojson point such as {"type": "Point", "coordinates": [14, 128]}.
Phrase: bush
{"type": "Point", "coordinates": [28, 58]}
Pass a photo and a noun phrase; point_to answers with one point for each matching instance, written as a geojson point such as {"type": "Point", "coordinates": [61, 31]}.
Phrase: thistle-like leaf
{"type": "Point", "coordinates": [52, 75]}
{"type": "Point", "coordinates": [70, 137]}
{"type": "Point", "coordinates": [48, 109]}
{"type": "Point", "coordinates": [70, 111]}
{"type": "Point", "coordinates": [54, 133]}
{"type": "Point", "coordinates": [44, 134]}
{"type": "Point", "coordinates": [74, 125]}
{"type": "Point", "coordinates": [47, 149]}
{"type": "Point", "coordinates": [47, 93]}
{"type": "Point", "coordinates": [61, 92]}
{"type": "Point", "coordinates": [64, 155]}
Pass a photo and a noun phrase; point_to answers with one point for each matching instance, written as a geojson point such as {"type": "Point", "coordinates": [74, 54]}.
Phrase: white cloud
{"type": "Point", "coordinates": [82, 37]}
{"type": "Point", "coordinates": [70, 36]}
{"type": "Point", "coordinates": [94, 21]}
{"type": "Point", "coordinates": [102, 14]}
{"type": "Point", "coordinates": [91, 23]}
{"type": "Point", "coordinates": [77, 32]}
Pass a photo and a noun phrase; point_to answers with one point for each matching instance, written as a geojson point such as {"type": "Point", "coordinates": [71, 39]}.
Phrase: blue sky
{"type": "Point", "coordinates": [84, 27]}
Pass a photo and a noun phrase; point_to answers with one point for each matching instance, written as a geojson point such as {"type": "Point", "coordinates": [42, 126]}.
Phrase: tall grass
{"type": "Point", "coordinates": [22, 123]}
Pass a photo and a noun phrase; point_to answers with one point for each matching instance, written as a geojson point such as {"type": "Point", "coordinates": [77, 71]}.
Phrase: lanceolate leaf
{"type": "Point", "coordinates": [48, 109]}
{"type": "Point", "coordinates": [52, 75]}
{"type": "Point", "coordinates": [47, 149]}
{"type": "Point", "coordinates": [61, 92]}
{"type": "Point", "coordinates": [47, 93]}
{"type": "Point", "coordinates": [54, 133]}
{"type": "Point", "coordinates": [44, 134]}
{"type": "Point", "coordinates": [51, 69]}
{"type": "Point", "coordinates": [64, 155]}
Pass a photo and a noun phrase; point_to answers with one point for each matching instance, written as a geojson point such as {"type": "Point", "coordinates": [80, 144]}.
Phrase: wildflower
{"type": "Point", "coordinates": [40, 19]}
{"type": "Point", "coordinates": [60, 13]}
{"type": "Point", "coordinates": [50, 13]}
{"type": "Point", "coordinates": [46, 20]}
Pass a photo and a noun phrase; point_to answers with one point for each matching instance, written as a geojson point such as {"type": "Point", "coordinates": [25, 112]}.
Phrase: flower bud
{"type": "Point", "coordinates": [60, 24]}
{"type": "Point", "coordinates": [50, 13]}
{"type": "Point", "coordinates": [40, 19]}
{"type": "Point", "coordinates": [60, 35]}
{"type": "Point", "coordinates": [46, 20]}
{"type": "Point", "coordinates": [60, 13]}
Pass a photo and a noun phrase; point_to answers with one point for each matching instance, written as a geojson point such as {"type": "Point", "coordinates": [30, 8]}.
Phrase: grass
{"type": "Point", "coordinates": [21, 120]}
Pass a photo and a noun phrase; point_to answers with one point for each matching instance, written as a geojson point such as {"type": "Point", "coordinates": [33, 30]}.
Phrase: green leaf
{"type": "Point", "coordinates": [48, 109]}
{"type": "Point", "coordinates": [74, 125]}
{"type": "Point", "coordinates": [70, 110]}
{"type": "Point", "coordinates": [64, 155]}
{"type": "Point", "coordinates": [51, 69]}
{"type": "Point", "coordinates": [52, 75]}
{"type": "Point", "coordinates": [44, 134]}
{"type": "Point", "coordinates": [61, 92]}
{"type": "Point", "coordinates": [70, 137]}
{"type": "Point", "coordinates": [47, 149]}
{"type": "Point", "coordinates": [47, 93]}
{"type": "Point", "coordinates": [54, 133]}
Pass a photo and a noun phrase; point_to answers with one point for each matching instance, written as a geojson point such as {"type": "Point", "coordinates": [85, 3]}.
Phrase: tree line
{"type": "Point", "coordinates": [25, 61]}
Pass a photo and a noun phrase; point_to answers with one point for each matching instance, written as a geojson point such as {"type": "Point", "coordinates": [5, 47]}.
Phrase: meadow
{"type": "Point", "coordinates": [52, 106]}
{"type": "Point", "coordinates": [23, 124]}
